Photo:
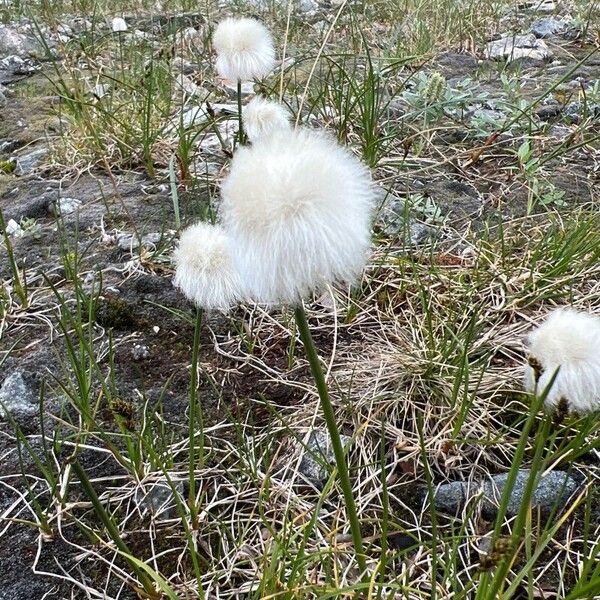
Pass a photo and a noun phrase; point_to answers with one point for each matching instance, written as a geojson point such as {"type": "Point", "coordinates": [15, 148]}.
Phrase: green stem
{"type": "Point", "coordinates": [112, 530]}
{"type": "Point", "coordinates": [195, 419]}
{"type": "Point", "coordinates": [338, 450]}
{"type": "Point", "coordinates": [241, 136]}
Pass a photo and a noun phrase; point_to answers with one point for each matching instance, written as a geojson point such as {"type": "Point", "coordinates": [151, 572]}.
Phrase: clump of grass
{"type": "Point", "coordinates": [19, 282]}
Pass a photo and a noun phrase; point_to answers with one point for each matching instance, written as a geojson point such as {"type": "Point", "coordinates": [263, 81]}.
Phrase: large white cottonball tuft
{"type": "Point", "coordinates": [570, 340]}
{"type": "Point", "coordinates": [299, 207]}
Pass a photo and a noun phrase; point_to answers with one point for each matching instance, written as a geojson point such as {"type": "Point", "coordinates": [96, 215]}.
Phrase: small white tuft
{"type": "Point", "coordinates": [244, 49]}
{"type": "Point", "coordinates": [205, 269]}
{"type": "Point", "coordinates": [570, 340]}
{"type": "Point", "coordinates": [263, 117]}
{"type": "Point", "coordinates": [119, 24]}
{"type": "Point", "coordinates": [299, 208]}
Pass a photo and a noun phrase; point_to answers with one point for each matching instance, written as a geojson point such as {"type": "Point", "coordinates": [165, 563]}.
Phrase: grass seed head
{"type": "Point", "coordinates": [435, 89]}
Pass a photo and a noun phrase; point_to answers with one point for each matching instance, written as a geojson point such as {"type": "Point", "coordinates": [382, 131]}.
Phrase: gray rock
{"type": "Point", "coordinates": [19, 66]}
{"type": "Point", "coordinates": [308, 7]}
{"type": "Point", "coordinates": [419, 233]}
{"type": "Point", "coordinates": [548, 26]}
{"type": "Point", "coordinates": [457, 64]}
{"type": "Point", "coordinates": [513, 47]}
{"type": "Point", "coordinates": [129, 242]}
{"type": "Point", "coordinates": [18, 395]}
{"type": "Point", "coordinates": [14, 68]}
{"type": "Point", "coordinates": [64, 206]}
{"type": "Point", "coordinates": [31, 206]}
{"type": "Point", "coordinates": [452, 497]}
{"type": "Point", "coordinates": [552, 491]}
{"type": "Point", "coordinates": [30, 161]}
{"type": "Point", "coordinates": [396, 220]}
{"type": "Point", "coordinates": [13, 228]}
{"type": "Point", "coordinates": [201, 168]}
{"type": "Point", "coordinates": [548, 110]}
{"type": "Point", "coordinates": [156, 497]}
{"type": "Point", "coordinates": [574, 112]}
{"type": "Point", "coordinates": [13, 41]}
{"type": "Point", "coordinates": [490, 115]}
{"type": "Point", "coordinates": [318, 457]}
{"type": "Point", "coordinates": [397, 108]}
{"type": "Point", "coordinates": [560, 132]}
{"type": "Point", "coordinates": [456, 200]}
{"type": "Point", "coordinates": [247, 88]}
{"type": "Point", "coordinates": [7, 145]}
{"type": "Point", "coordinates": [543, 6]}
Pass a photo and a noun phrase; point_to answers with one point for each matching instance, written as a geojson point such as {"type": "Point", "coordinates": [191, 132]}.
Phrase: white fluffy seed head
{"type": "Point", "coordinates": [206, 272]}
{"type": "Point", "coordinates": [299, 207]}
{"type": "Point", "coordinates": [244, 49]}
{"type": "Point", "coordinates": [263, 117]}
{"type": "Point", "coordinates": [570, 340]}
{"type": "Point", "coordinates": [119, 24]}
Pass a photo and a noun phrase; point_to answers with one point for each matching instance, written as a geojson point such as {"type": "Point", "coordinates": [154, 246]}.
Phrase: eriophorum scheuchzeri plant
{"type": "Point", "coordinates": [205, 269]}
{"type": "Point", "coordinates": [566, 348]}
{"type": "Point", "coordinates": [245, 52]}
{"type": "Point", "coordinates": [296, 217]}
{"type": "Point", "coordinates": [263, 117]}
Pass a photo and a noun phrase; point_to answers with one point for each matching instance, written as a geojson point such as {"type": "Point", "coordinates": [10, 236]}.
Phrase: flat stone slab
{"type": "Point", "coordinates": [552, 492]}
{"type": "Point", "coordinates": [514, 47]}
{"type": "Point", "coordinates": [548, 26]}
{"type": "Point", "coordinates": [27, 163]}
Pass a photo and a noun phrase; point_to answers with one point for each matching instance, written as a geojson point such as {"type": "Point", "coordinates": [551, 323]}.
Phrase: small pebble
{"type": "Point", "coordinates": [140, 352]}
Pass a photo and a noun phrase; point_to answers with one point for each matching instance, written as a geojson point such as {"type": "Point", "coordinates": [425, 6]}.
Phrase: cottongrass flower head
{"type": "Point", "coordinates": [299, 207]}
{"type": "Point", "coordinates": [570, 340]}
{"type": "Point", "coordinates": [206, 272]}
{"type": "Point", "coordinates": [244, 49]}
{"type": "Point", "coordinates": [119, 24]}
{"type": "Point", "coordinates": [263, 117]}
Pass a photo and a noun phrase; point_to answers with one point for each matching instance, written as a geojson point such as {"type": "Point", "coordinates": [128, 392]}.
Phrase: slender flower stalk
{"type": "Point", "coordinates": [334, 434]}
{"type": "Point", "coordinates": [241, 134]}
{"type": "Point", "coordinates": [195, 418]}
